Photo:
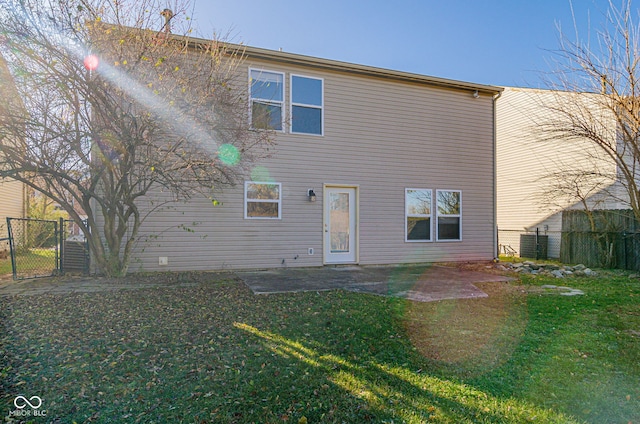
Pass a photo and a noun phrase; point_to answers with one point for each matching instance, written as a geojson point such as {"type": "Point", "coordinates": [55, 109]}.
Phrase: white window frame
{"type": "Point", "coordinates": [292, 104]}
{"type": "Point", "coordinates": [268, 101]}
{"type": "Point", "coordinates": [247, 200]}
{"type": "Point", "coordinates": [407, 216]}
{"type": "Point", "coordinates": [458, 215]}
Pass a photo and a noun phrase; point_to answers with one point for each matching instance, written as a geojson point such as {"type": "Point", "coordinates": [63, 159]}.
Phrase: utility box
{"type": "Point", "coordinates": [534, 246]}
{"type": "Point", "coordinates": [75, 256]}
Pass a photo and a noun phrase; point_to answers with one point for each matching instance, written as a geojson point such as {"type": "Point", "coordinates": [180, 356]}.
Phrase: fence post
{"type": "Point", "coordinates": [12, 249]}
{"type": "Point", "coordinates": [537, 243]}
{"type": "Point", "coordinates": [61, 244]}
{"type": "Point", "coordinates": [57, 245]}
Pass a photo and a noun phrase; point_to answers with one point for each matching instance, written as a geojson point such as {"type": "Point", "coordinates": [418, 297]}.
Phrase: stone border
{"type": "Point", "coordinates": [558, 271]}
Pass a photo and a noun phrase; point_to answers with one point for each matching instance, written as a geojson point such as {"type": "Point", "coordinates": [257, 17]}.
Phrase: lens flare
{"type": "Point", "coordinates": [260, 173]}
{"type": "Point", "coordinates": [229, 154]}
{"type": "Point", "coordinates": [91, 62]}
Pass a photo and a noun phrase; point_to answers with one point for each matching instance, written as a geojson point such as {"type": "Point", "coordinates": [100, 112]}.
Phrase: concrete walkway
{"type": "Point", "coordinates": [419, 283]}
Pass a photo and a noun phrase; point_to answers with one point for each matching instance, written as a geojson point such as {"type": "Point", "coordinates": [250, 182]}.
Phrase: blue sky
{"type": "Point", "coordinates": [499, 42]}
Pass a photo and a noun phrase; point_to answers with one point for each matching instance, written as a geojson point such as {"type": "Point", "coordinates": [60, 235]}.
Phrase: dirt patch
{"type": "Point", "coordinates": [469, 333]}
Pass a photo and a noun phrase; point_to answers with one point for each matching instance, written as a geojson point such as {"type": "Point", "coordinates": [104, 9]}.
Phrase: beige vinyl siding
{"type": "Point", "coordinates": [525, 158]}
{"type": "Point", "coordinates": [379, 135]}
{"type": "Point", "coordinates": [12, 193]}
{"type": "Point", "coordinates": [11, 203]}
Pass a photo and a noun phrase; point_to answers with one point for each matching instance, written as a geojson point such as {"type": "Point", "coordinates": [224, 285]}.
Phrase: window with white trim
{"type": "Point", "coordinates": [449, 215]}
{"type": "Point", "coordinates": [306, 105]}
{"type": "Point", "coordinates": [267, 99]}
{"type": "Point", "coordinates": [417, 214]}
{"type": "Point", "coordinates": [262, 200]}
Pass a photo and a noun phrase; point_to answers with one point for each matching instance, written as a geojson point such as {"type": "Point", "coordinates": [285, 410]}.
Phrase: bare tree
{"type": "Point", "coordinates": [597, 107]}
{"type": "Point", "coordinates": [121, 119]}
{"type": "Point", "coordinates": [593, 109]}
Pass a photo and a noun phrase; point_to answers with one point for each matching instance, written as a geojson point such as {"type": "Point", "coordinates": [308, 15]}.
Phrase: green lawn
{"type": "Point", "coordinates": [34, 262]}
{"type": "Point", "coordinates": [219, 354]}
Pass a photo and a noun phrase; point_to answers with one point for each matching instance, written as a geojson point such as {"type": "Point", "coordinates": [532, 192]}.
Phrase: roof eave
{"type": "Point", "coordinates": [339, 66]}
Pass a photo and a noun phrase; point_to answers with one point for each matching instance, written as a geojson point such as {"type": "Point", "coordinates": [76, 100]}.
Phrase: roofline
{"type": "Point", "coordinates": [339, 66]}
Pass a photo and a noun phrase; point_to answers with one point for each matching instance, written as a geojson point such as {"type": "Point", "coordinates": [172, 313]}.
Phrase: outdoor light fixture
{"type": "Point", "coordinates": [476, 94]}
{"type": "Point", "coordinates": [312, 195]}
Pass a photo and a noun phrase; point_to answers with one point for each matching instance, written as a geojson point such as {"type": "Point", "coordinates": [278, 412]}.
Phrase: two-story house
{"type": "Point", "coordinates": [370, 166]}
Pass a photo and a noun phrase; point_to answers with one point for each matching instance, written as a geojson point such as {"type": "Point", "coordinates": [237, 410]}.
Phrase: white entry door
{"type": "Point", "coordinates": [340, 221]}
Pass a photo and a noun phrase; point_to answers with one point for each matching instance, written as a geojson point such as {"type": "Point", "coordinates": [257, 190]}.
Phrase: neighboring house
{"type": "Point", "coordinates": [12, 204]}
{"type": "Point", "coordinates": [370, 166]}
{"type": "Point", "coordinates": [12, 193]}
{"type": "Point", "coordinates": [529, 197]}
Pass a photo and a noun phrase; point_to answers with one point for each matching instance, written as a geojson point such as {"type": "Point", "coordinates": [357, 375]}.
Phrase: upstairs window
{"type": "Point", "coordinates": [306, 105]}
{"type": "Point", "coordinates": [449, 213]}
{"type": "Point", "coordinates": [418, 214]}
{"type": "Point", "coordinates": [267, 99]}
{"type": "Point", "coordinates": [262, 200]}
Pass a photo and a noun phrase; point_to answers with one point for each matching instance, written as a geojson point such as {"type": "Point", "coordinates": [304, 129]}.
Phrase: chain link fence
{"type": "Point", "coordinates": [41, 248]}
{"type": "Point", "coordinates": [33, 246]}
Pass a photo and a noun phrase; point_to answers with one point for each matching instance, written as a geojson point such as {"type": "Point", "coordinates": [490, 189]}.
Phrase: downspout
{"type": "Point", "coordinates": [496, 253]}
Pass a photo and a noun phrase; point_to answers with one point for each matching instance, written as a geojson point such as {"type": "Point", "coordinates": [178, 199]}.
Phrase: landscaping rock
{"type": "Point", "coordinates": [571, 292]}
{"type": "Point", "coordinates": [558, 271]}
{"type": "Point", "coordinates": [561, 290]}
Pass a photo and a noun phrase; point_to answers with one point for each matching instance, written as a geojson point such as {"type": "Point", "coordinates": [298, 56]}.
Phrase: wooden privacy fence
{"type": "Point", "coordinates": [613, 241]}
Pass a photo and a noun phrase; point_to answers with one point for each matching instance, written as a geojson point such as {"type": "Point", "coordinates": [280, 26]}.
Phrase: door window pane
{"type": "Point", "coordinates": [339, 219]}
